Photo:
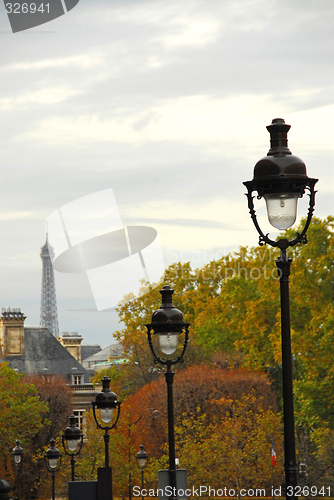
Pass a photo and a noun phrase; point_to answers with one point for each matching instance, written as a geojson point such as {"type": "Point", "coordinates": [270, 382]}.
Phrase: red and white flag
{"type": "Point", "coordinates": [273, 454]}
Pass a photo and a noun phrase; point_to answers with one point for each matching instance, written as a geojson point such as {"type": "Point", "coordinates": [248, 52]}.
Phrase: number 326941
{"type": "Point", "coordinates": [307, 491]}
{"type": "Point", "coordinates": [25, 8]}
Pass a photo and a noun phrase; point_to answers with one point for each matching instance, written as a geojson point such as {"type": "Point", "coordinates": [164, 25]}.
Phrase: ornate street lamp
{"type": "Point", "coordinates": [280, 178]}
{"type": "Point", "coordinates": [142, 462]}
{"type": "Point", "coordinates": [72, 439]}
{"type": "Point", "coordinates": [167, 323]}
{"type": "Point", "coordinates": [53, 462]}
{"type": "Point", "coordinates": [154, 414]}
{"type": "Point", "coordinates": [18, 454]}
{"type": "Point", "coordinates": [106, 402]}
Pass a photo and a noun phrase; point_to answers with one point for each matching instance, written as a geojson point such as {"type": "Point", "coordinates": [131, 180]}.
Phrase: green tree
{"type": "Point", "coordinates": [55, 393]}
{"type": "Point", "coordinates": [234, 452]}
{"type": "Point", "coordinates": [21, 417]}
{"type": "Point", "coordinates": [136, 312]}
{"type": "Point", "coordinates": [233, 305]}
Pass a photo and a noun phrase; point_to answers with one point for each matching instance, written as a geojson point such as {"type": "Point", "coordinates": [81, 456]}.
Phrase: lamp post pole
{"type": "Point", "coordinates": [142, 483]}
{"type": "Point", "coordinates": [167, 322]}
{"type": "Point", "coordinates": [169, 375]}
{"type": "Point", "coordinates": [53, 476]}
{"type": "Point", "coordinates": [106, 438]}
{"type": "Point", "coordinates": [283, 264]}
{"type": "Point", "coordinates": [281, 179]}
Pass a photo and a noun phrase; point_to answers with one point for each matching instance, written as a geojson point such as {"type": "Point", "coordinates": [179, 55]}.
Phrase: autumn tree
{"type": "Point", "coordinates": [116, 380]}
{"type": "Point", "coordinates": [22, 417]}
{"type": "Point", "coordinates": [92, 455]}
{"type": "Point", "coordinates": [198, 395]}
{"type": "Point", "coordinates": [54, 391]}
{"type": "Point", "coordinates": [233, 303]}
{"type": "Point", "coordinates": [235, 451]}
{"type": "Point", "coordinates": [136, 312]}
{"type": "Point", "coordinates": [196, 391]}
{"type": "Point", "coordinates": [56, 394]}
{"type": "Point", "coordinates": [233, 306]}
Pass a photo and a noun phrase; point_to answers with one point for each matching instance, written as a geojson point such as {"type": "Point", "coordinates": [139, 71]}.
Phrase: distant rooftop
{"type": "Point", "coordinates": [12, 313]}
{"type": "Point", "coordinates": [43, 351]}
{"type": "Point", "coordinates": [103, 356]}
{"type": "Point", "coordinates": [70, 334]}
{"type": "Point", "coordinates": [88, 350]}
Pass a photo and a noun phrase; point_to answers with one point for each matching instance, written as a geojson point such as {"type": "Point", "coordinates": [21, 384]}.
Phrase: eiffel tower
{"type": "Point", "coordinates": [49, 314]}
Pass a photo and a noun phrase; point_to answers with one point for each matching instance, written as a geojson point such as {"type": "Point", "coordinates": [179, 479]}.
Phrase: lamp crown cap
{"type": "Point", "coordinates": [73, 430]}
{"type": "Point", "coordinates": [278, 130]}
{"type": "Point", "coordinates": [106, 398]}
{"type": "Point", "coordinates": [167, 312]}
{"type": "Point", "coordinates": [166, 295]}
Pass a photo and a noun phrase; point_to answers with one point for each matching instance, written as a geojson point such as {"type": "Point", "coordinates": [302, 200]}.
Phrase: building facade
{"type": "Point", "coordinates": [32, 349]}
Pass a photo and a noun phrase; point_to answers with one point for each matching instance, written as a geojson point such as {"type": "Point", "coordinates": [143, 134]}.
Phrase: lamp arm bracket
{"type": "Point", "coordinates": [98, 426]}
{"type": "Point", "coordinates": [157, 359]}
{"type": "Point", "coordinates": [179, 359]}
{"type": "Point", "coordinates": [263, 238]}
{"type": "Point", "coordinates": [301, 237]}
{"type": "Point", "coordinates": [118, 414]}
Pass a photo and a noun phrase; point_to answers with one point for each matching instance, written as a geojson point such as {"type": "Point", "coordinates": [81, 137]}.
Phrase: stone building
{"type": "Point", "coordinates": [34, 350]}
{"type": "Point", "coordinates": [72, 342]}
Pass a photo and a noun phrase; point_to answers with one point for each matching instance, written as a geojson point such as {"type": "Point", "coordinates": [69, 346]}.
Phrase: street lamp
{"type": "Point", "coordinates": [18, 454]}
{"type": "Point", "coordinates": [154, 414]}
{"type": "Point", "coordinates": [106, 402]}
{"type": "Point", "coordinates": [142, 462]}
{"type": "Point", "coordinates": [167, 323]}
{"type": "Point", "coordinates": [53, 461]}
{"type": "Point", "coordinates": [71, 438]}
{"type": "Point", "coordinates": [280, 178]}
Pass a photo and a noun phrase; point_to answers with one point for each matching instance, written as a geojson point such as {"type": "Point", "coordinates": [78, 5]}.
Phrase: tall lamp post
{"type": "Point", "coordinates": [72, 439]}
{"type": "Point", "coordinates": [280, 178]}
{"type": "Point", "coordinates": [155, 414]}
{"type": "Point", "coordinates": [142, 462]}
{"type": "Point", "coordinates": [167, 322]}
{"type": "Point", "coordinates": [106, 402]}
{"type": "Point", "coordinates": [53, 462]}
{"type": "Point", "coordinates": [18, 454]}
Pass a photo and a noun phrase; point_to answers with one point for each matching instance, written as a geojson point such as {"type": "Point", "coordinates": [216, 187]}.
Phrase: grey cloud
{"type": "Point", "coordinates": [281, 49]}
{"type": "Point", "coordinates": [183, 222]}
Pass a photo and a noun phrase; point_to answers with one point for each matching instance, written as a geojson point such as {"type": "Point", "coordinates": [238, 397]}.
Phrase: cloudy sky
{"type": "Point", "coordinates": [166, 103]}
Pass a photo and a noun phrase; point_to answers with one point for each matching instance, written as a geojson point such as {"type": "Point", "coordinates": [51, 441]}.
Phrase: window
{"type": "Point", "coordinates": [79, 414]}
{"type": "Point", "coordinates": [76, 379]}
